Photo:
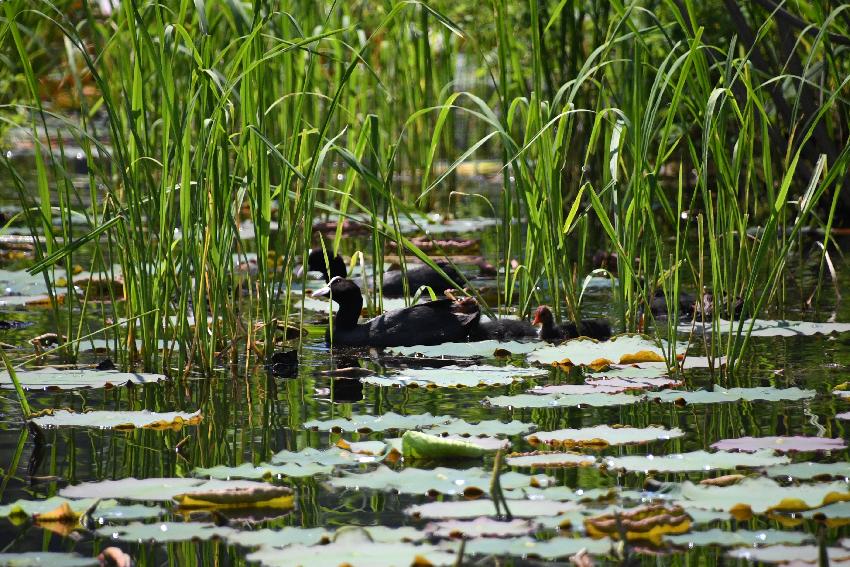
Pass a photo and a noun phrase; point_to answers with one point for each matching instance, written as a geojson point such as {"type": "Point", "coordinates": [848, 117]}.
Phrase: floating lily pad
{"type": "Point", "coordinates": [330, 457]}
{"type": "Point", "coordinates": [42, 558]}
{"type": "Point", "coordinates": [557, 460]}
{"type": "Point", "coordinates": [790, 554]}
{"type": "Point", "coordinates": [561, 401]}
{"type": "Point", "coordinates": [418, 445]}
{"type": "Point", "coordinates": [603, 435]}
{"type": "Point", "coordinates": [263, 471]}
{"type": "Point", "coordinates": [470, 482]}
{"type": "Point", "coordinates": [776, 328]}
{"type": "Point", "coordinates": [808, 471]}
{"type": "Point", "coordinates": [259, 496]}
{"type": "Point", "coordinates": [280, 538]}
{"type": "Point", "coordinates": [474, 508]}
{"type": "Point", "coordinates": [844, 415]}
{"type": "Point", "coordinates": [762, 495]}
{"type": "Point", "coordinates": [55, 379]}
{"type": "Point", "coordinates": [738, 538]}
{"type": "Point", "coordinates": [363, 448]}
{"type": "Point", "coordinates": [644, 523]}
{"type": "Point", "coordinates": [597, 387]}
{"type": "Point", "coordinates": [108, 513]}
{"type": "Point", "coordinates": [781, 444]}
{"type": "Point", "coordinates": [720, 395]}
{"type": "Point", "coordinates": [625, 349]}
{"type": "Point", "coordinates": [29, 508]}
{"type": "Point", "coordinates": [151, 489]}
{"type": "Point", "coordinates": [455, 376]}
{"type": "Point", "coordinates": [386, 422]}
{"type": "Point", "coordinates": [560, 494]}
{"type": "Point", "coordinates": [481, 429]}
{"type": "Point", "coordinates": [550, 549]}
{"type": "Point", "coordinates": [163, 532]}
{"type": "Point", "coordinates": [624, 384]}
{"type": "Point", "coordinates": [693, 461]}
{"type": "Point", "coordinates": [354, 548]}
{"type": "Point", "coordinates": [477, 349]}
{"type": "Point", "coordinates": [118, 419]}
{"type": "Point", "coordinates": [480, 527]}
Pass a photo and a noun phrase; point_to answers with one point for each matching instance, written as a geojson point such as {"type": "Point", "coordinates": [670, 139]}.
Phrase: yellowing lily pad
{"type": "Point", "coordinates": [479, 349]}
{"type": "Point", "coordinates": [55, 379]}
{"type": "Point", "coordinates": [738, 538]}
{"type": "Point", "coordinates": [561, 401]}
{"type": "Point", "coordinates": [455, 376]}
{"type": "Point", "coordinates": [602, 436]}
{"type": "Point", "coordinates": [781, 444]}
{"type": "Point", "coordinates": [645, 523]}
{"type": "Point", "coordinates": [555, 460]}
{"type": "Point", "coordinates": [625, 349]}
{"type": "Point", "coordinates": [481, 507]}
{"type": "Point", "coordinates": [386, 422]}
{"type": "Point", "coordinates": [469, 482]}
{"type": "Point", "coordinates": [693, 461]}
{"type": "Point", "coordinates": [117, 419]}
{"type": "Point", "coordinates": [721, 395]}
{"type": "Point", "coordinates": [261, 496]}
{"type": "Point", "coordinates": [761, 495]}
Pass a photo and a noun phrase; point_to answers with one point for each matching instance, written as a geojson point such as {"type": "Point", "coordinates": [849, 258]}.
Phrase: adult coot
{"type": "Point", "coordinates": [430, 323]}
{"type": "Point", "coordinates": [393, 280]}
{"type": "Point", "coordinates": [549, 331]}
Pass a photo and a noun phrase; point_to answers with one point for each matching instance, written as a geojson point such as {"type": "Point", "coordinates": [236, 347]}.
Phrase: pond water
{"type": "Point", "coordinates": [249, 415]}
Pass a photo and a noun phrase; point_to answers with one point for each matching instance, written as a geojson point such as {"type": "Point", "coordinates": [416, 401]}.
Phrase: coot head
{"type": "Point", "coordinates": [339, 290]}
{"type": "Point", "coordinates": [316, 263]}
{"type": "Point", "coordinates": [543, 316]}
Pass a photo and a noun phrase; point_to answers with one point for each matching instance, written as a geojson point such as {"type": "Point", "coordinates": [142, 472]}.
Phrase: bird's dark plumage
{"type": "Point", "coordinates": [599, 329]}
{"type": "Point", "coordinates": [503, 330]}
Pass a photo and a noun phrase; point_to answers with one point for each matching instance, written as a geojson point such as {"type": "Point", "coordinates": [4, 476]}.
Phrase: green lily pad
{"type": "Point", "coordinates": [837, 510]}
{"type": "Point", "coordinates": [108, 510]}
{"type": "Point", "coordinates": [263, 471]}
{"type": "Point", "coordinates": [474, 481]}
{"type": "Point", "coordinates": [455, 376]}
{"type": "Point", "coordinates": [550, 549]}
{"type": "Point", "coordinates": [164, 532]}
{"type": "Point", "coordinates": [489, 428]}
{"type": "Point", "coordinates": [762, 495]}
{"type": "Point", "coordinates": [386, 422]}
{"type": "Point", "coordinates": [280, 538]}
{"type": "Point", "coordinates": [463, 509]}
{"type": "Point", "coordinates": [790, 554]}
{"type": "Point", "coordinates": [561, 401]}
{"type": "Point", "coordinates": [55, 379]}
{"type": "Point", "coordinates": [152, 489]}
{"type": "Point", "coordinates": [776, 328]}
{"type": "Point", "coordinates": [328, 457]}
{"type": "Point", "coordinates": [809, 471]}
{"type": "Point", "coordinates": [354, 548]}
{"type": "Point", "coordinates": [479, 349]}
{"type": "Point", "coordinates": [603, 435]}
{"type": "Point", "coordinates": [418, 445]}
{"type": "Point", "coordinates": [117, 419]}
{"type": "Point", "coordinates": [720, 395]}
{"type": "Point", "coordinates": [560, 494]}
{"type": "Point", "coordinates": [693, 461]}
{"type": "Point", "coordinates": [624, 349]}
{"type": "Point", "coordinates": [556, 460]}
{"type": "Point", "coordinates": [780, 444]}
{"type": "Point", "coordinates": [738, 538]}
{"type": "Point", "coordinates": [42, 558]}
{"type": "Point", "coordinates": [480, 527]}
{"type": "Point", "coordinates": [108, 513]}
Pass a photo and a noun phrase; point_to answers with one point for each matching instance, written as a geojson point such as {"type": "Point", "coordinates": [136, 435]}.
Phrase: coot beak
{"type": "Point", "coordinates": [537, 320]}
{"type": "Point", "coordinates": [322, 292]}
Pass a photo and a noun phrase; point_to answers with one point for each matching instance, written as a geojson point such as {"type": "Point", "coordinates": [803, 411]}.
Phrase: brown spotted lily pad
{"type": "Point", "coordinates": [647, 523]}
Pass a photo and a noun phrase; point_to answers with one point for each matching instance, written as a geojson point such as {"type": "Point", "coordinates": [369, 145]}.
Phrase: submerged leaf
{"type": "Point", "coordinates": [780, 444]}
{"type": "Point", "coordinates": [117, 419]}
{"type": "Point", "coordinates": [602, 436]}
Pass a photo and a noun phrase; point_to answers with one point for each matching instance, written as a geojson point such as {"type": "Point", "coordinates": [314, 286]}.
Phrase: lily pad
{"type": "Point", "coordinates": [625, 349]}
{"type": "Point", "coordinates": [550, 549]}
{"type": "Point", "coordinates": [777, 328]}
{"type": "Point", "coordinates": [760, 495]}
{"type": "Point", "coordinates": [790, 554]}
{"type": "Point", "coordinates": [738, 538]}
{"type": "Point", "coordinates": [693, 461]}
{"type": "Point", "coordinates": [263, 471]}
{"type": "Point", "coordinates": [468, 509]}
{"type": "Point", "coordinates": [479, 527]}
{"type": "Point", "coordinates": [479, 349]}
{"type": "Point", "coordinates": [644, 523]}
{"type": "Point", "coordinates": [55, 379]}
{"type": "Point", "coordinates": [481, 429]}
{"type": "Point", "coordinates": [780, 444]}
{"type": "Point", "coordinates": [561, 401]}
{"type": "Point", "coordinates": [329, 457]}
{"type": "Point", "coordinates": [418, 445]}
{"type": "Point", "coordinates": [117, 419]}
{"type": "Point", "coordinates": [260, 496]}
{"type": "Point", "coordinates": [163, 532]}
{"type": "Point", "coordinates": [603, 435]}
{"type": "Point", "coordinates": [556, 460]}
{"type": "Point", "coordinates": [720, 395]}
{"type": "Point", "coordinates": [280, 538]}
{"type": "Point", "coordinates": [469, 482]}
{"type": "Point", "coordinates": [386, 422]}
{"type": "Point", "coordinates": [809, 470]}
{"type": "Point", "coordinates": [597, 387]}
{"type": "Point", "coordinates": [107, 510]}
{"type": "Point", "coordinates": [455, 376]}
{"type": "Point", "coordinates": [151, 489]}
{"type": "Point", "coordinates": [42, 558]}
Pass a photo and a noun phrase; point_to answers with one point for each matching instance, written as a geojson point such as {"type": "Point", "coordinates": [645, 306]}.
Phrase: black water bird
{"type": "Point", "coordinates": [599, 329]}
{"type": "Point", "coordinates": [503, 330]}
{"type": "Point", "coordinates": [393, 280]}
{"type": "Point", "coordinates": [429, 323]}
{"type": "Point", "coordinates": [703, 308]}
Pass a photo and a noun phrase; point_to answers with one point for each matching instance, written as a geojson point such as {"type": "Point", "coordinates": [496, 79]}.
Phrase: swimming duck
{"type": "Point", "coordinates": [429, 323]}
{"type": "Point", "coordinates": [393, 280]}
{"type": "Point", "coordinates": [599, 329]}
